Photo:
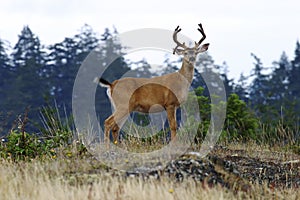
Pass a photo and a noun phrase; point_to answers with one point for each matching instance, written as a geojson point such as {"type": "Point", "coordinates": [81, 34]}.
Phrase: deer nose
{"type": "Point", "coordinates": [192, 59]}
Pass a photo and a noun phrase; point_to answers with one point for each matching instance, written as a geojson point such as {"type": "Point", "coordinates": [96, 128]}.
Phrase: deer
{"type": "Point", "coordinates": [151, 95]}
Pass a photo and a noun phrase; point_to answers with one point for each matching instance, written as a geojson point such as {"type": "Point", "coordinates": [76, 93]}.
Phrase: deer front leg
{"type": "Point", "coordinates": [171, 112]}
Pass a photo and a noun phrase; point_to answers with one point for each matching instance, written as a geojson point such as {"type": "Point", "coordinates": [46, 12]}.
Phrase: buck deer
{"type": "Point", "coordinates": [149, 95]}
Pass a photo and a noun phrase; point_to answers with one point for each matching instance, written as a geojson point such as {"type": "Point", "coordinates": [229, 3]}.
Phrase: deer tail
{"type": "Point", "coordinates": [102, 82]}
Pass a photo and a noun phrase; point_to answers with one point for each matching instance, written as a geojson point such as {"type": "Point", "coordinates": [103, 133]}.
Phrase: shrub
{"type": "Point", "coordinates": [240, 122]}
{"type": "Point", "coordinates": [20, 145]}
{"type": "Point", "coordinates": [56, 137]}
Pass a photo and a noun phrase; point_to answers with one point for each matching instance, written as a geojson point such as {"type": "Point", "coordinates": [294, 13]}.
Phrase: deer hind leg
{"type": "Point", "coordinates": [108, 124]}
{"type": "Point", "coordinates": [114, 123]}
{"type": "Point", "coordinates": [171, 112]}
{"type": "Point", "coordinates": [115, 133]}
{"type": "Point", "coordinates": [117, 127]}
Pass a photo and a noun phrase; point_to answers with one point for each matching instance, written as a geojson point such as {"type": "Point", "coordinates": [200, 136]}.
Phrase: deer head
{"type": "Point", "coordinates": [190, 53]}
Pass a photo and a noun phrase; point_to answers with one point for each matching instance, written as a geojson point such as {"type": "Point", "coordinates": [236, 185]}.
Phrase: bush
{"type": "Point", "coordinates": [56, 137]}
{"type": "Point", "coordinates": [205, 112]}
{"type": "Point", "coordinates": [240, 122]}
{"type": "Point", "coordinates": [20, 145]}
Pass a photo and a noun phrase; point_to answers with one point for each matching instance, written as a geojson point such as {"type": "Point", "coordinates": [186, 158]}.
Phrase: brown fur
{"type": "Point", "coordinates": [155, 94]}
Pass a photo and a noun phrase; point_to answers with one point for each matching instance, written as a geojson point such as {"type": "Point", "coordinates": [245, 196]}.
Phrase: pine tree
{"type": "Point", "coordinates": [27, 85]}
{"type": "Point", "coordinates": [110, 60]}
{"type": "Point", "coordinates": [241, 88]}
{"type": "Point", "coordinates": [296, 61]}
{"type": "Point", "coordinates": [228, 83]}
{"type": "Point", "coordinates": [64, 61]}
{"type": "Point", "coordinates": [280, 79]}
{"type": "Point", "coordinates": [24, 85]}
{"type": "Point", "coordinates": [258, 89]}
{"type": "Point", "coordinates": [278, 102]}
{"type": "Point", "coordinates": [209, 75]}
{"type": "Point", "coordinates": [141, 69]}
{"type": "Point", "coordinates": [112, 56]}
{"type": "Point", "coordinates": [294, 86]}
{"type": "Point", "coordinates": [62, 67]}
{"type": "Point", "coordinates": [203, 65]}
{"type": "Point", "coordinates": [5, 76]}
{"type": "Point", "coordinates": [5, 69]}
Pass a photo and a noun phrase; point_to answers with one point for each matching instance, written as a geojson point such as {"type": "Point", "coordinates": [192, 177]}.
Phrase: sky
{"type": "Point", "coordinates": [234, 28]}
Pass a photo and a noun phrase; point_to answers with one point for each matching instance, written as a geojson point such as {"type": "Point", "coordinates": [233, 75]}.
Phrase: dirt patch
{"type": "Point", "coordinates": [276, 169]}
{"type": "Point", "coordinates": [234, 169]}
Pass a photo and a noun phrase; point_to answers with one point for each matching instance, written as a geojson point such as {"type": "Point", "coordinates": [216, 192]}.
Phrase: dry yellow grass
{"type": "Point", "coordinates": [87, 179]}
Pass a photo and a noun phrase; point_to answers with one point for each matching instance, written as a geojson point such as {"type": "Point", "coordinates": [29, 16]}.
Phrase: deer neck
{"type": "Point", "coordinates": [187, 70]}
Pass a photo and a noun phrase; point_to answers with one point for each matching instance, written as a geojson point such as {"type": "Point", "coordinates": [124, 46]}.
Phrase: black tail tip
{"type": "Point", "coordinates": [103, 81]}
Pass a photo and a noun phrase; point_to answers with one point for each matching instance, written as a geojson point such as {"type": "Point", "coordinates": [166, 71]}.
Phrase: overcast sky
{"type": "Point", "coordinates": [234, 28]}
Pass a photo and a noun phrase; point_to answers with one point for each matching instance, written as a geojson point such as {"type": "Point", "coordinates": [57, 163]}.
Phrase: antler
{"type": "Point", "coordinates": [177, 30]}
{"type": "Point", "coordinates": [202, 33]}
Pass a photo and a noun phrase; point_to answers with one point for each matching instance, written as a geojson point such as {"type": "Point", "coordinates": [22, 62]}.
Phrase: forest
{"type": "Point", "coordinates": [34, 76]}
{"type": "Point", "coordinates": [43, 157]}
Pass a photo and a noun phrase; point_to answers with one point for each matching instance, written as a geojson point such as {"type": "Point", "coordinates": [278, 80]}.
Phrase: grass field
{"type": "Point", "coordinates": [86, 178]}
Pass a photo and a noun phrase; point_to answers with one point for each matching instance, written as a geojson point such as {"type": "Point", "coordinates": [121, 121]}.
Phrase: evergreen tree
{"type": "Point", "coordinates": [112, 61]}
{"type": "Point", "coordinates": [27, 85]}
{"type": "Point", "coordinates": [5, 76]}
{"type": "Point", "coordinates": [141, 69]}
{"type": "Point", "coordinates": [278, 102]}
{"type": "Point", "coordinates": [112, 56]}
{"type": "Point", "coordinates": [241, 88]}
{"type": "Point", "coordinates": [23, 77]}
{"type": "Point", "coordinates": [259, 86]}
{"type": "Point", "coordinates": [280, 79]}
{"type": "Point", "coordinates": [296, 61]}
{"type": "Point", "coordinates": [5, 68]}
{"type": "Point", "coordinates": [168, 66]}
{"type": "Point", "coordinates": [204, 64]}
{"type": "Point", "coordinates": [228, 83]}
{"type": "Point", "coordinates": [294, 86]}
{"type": "Point", "coordinates": [64, 61]}
{"type": "Point", "coordinates": [206, 72]}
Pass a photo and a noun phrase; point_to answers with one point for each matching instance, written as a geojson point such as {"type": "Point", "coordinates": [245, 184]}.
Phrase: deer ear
{"type": "Point", "coordinates": [203, 48]}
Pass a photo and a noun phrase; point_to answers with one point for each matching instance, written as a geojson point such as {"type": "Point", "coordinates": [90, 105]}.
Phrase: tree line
{"type": "Point", "coordinates": [33, 74]}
